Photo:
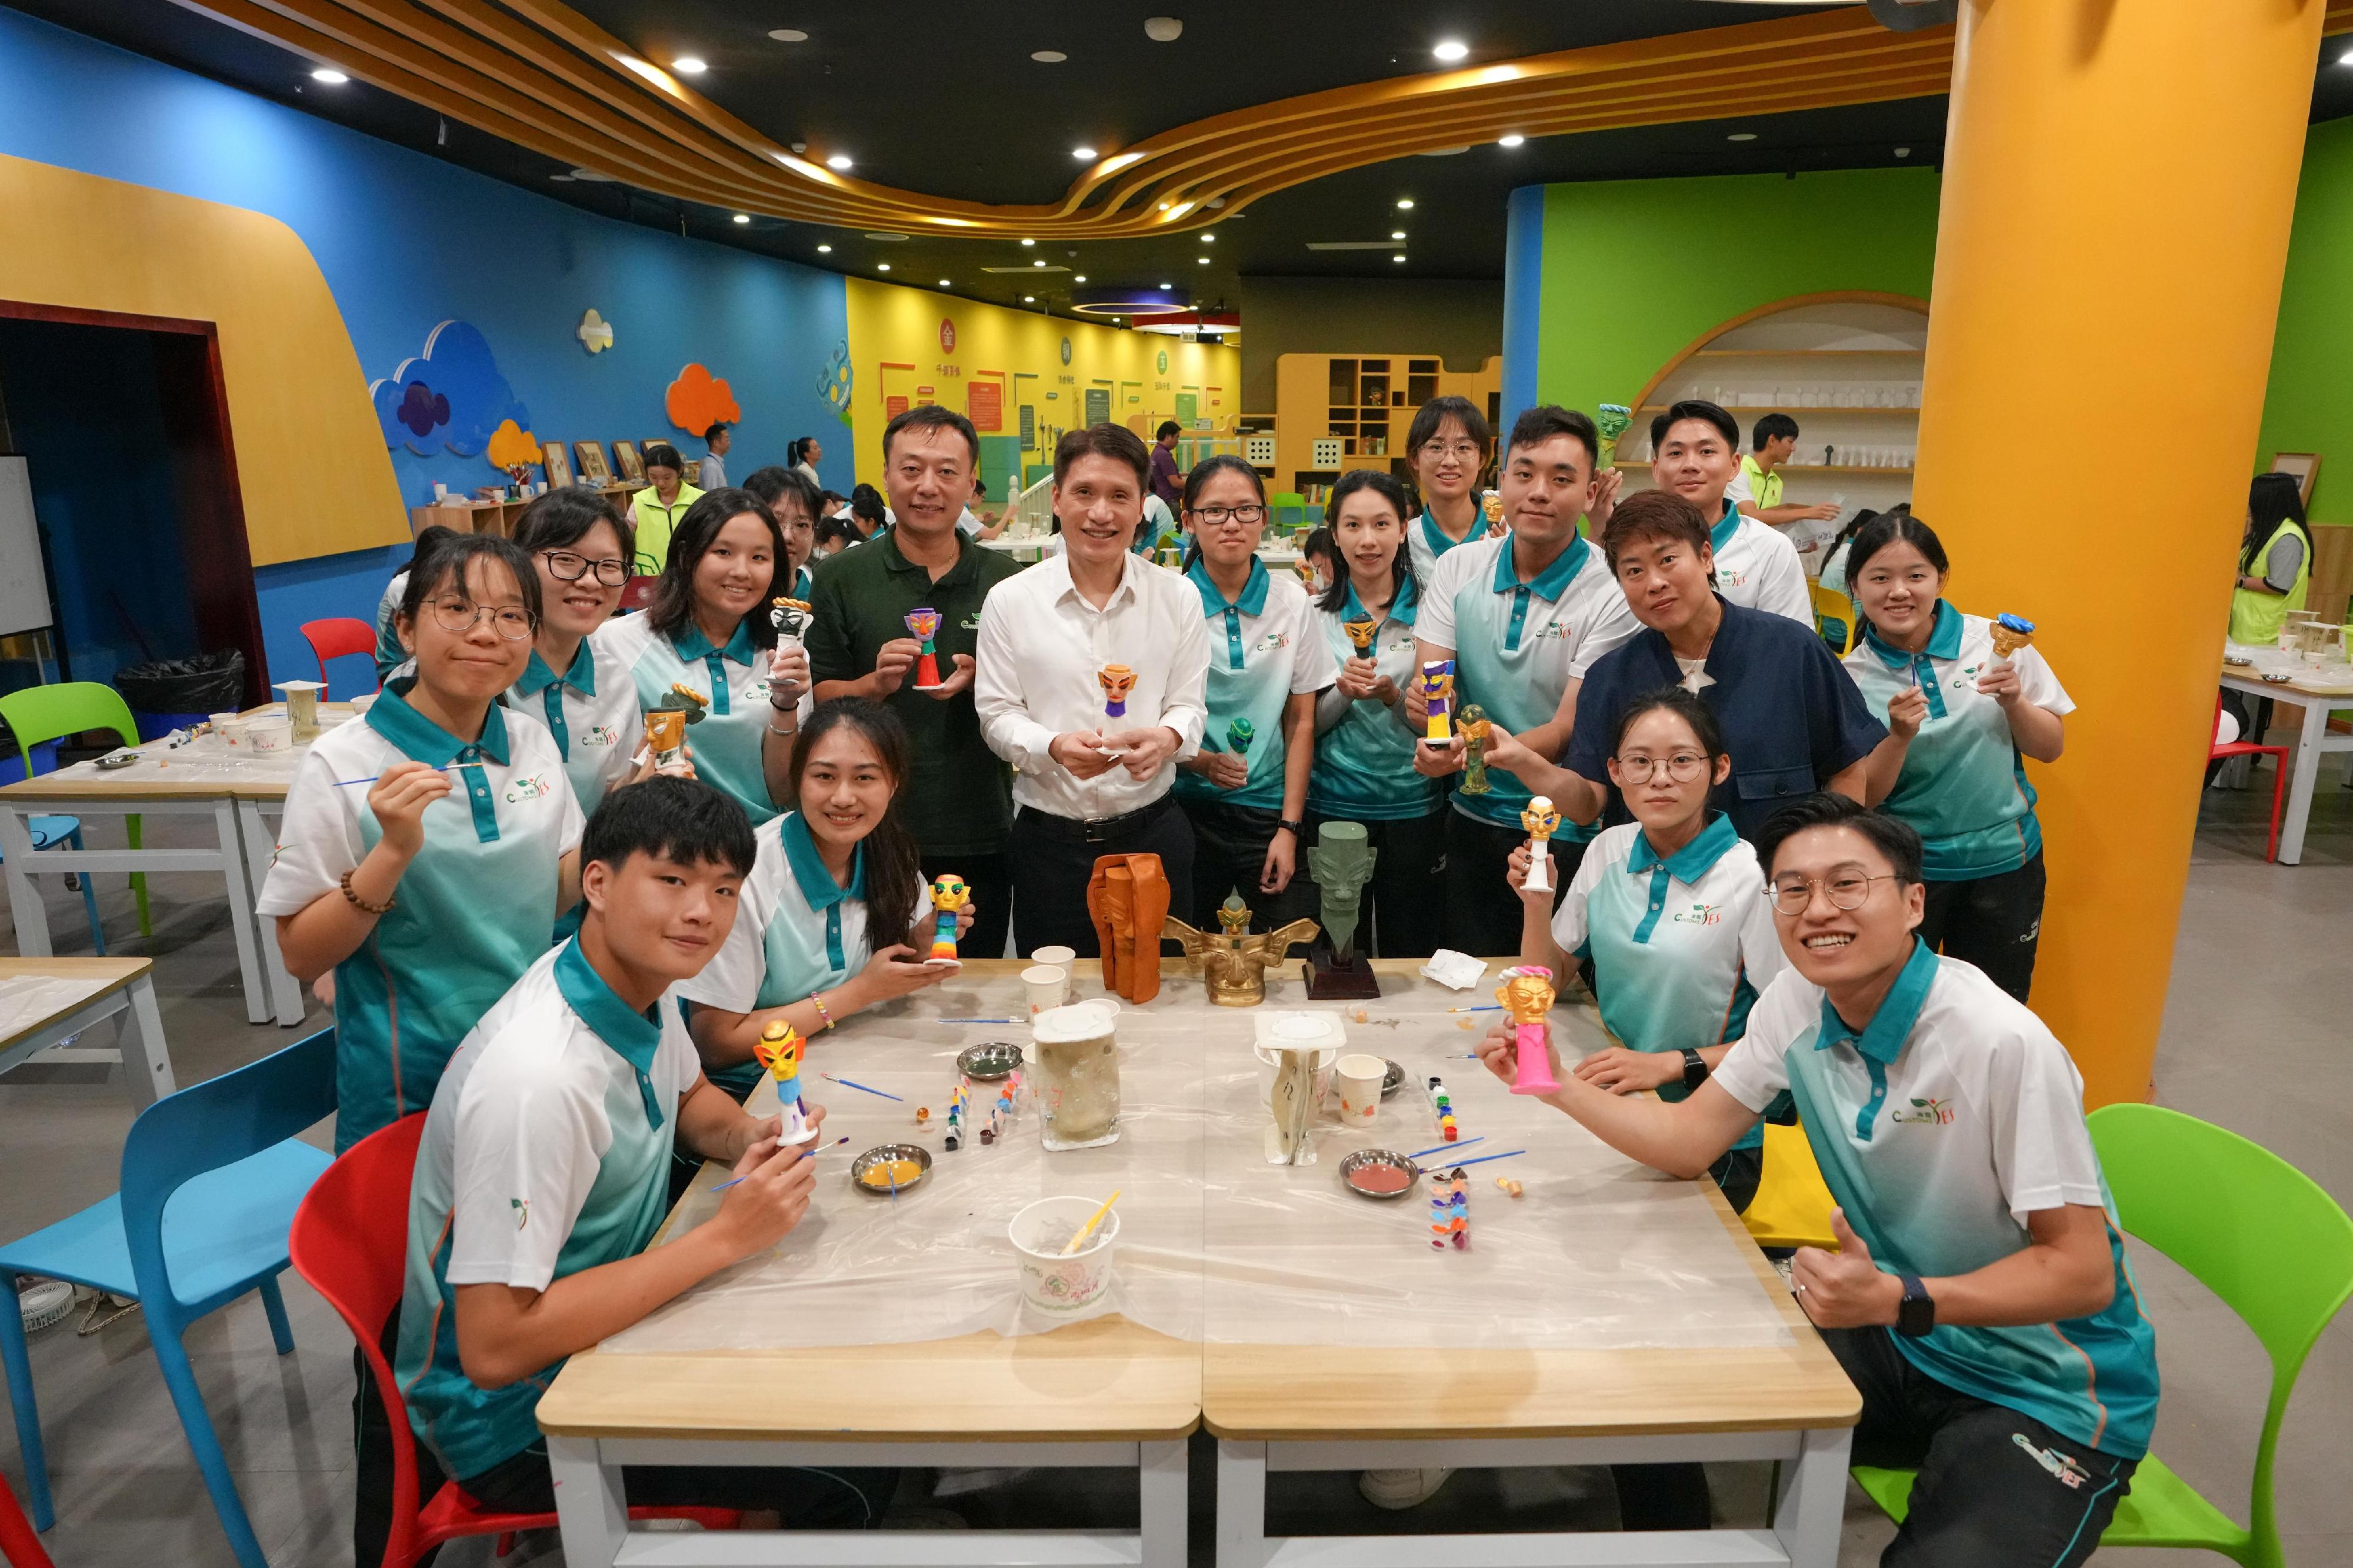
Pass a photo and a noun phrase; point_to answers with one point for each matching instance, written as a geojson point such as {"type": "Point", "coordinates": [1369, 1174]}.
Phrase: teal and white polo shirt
{"type": "Point", "coordinates": [797, 933]}
{"type": "Point", "coordinates": [591, 711]}
{"type": "Point", "coordinates": [1756, 567]}
{"type": "Point", "coordinates": [1363, 761]}
{"type": "Point", "coordinates": [472, 909]}
{"type": "Point", "coordinates": [1963, 785]}
{"type": "Point", "coordinates": [1265, 648]}
{"type": "Point", "coordinates": [1427, 544]}
{"type": "Point", "coordinates": [546, 1153]}
{"type": "Point", "coordinates": [1518, 645]}
{"type": "Point", "coordinates": [727, 743]}
{"type": "Point", "coordinates": [1941, 1128]}
{"type": "Point", "coordinates": [1680, 947]}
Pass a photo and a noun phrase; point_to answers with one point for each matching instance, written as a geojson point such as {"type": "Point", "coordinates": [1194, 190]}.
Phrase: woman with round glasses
{"type": "Point", "coordinates": [1671, 909]}
{"type": "Point", "coordinates": [428, 844]}
{"type": "Point", "coordinates": [1447, 447]}
{"type": "Point", "coordinates": [709, 633]}
{"type": "Point", "coordinates": [1245, 792]}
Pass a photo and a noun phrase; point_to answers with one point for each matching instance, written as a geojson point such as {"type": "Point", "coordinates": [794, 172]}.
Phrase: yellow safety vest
{"type": "Point", "coordinates": [2256, 618]}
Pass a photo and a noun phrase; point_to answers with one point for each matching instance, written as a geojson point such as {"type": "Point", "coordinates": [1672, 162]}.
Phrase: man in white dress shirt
{"type": "Point", "coordinates": [1695, 454]}
{"type": "Point", "coordinates": [1094, 753]}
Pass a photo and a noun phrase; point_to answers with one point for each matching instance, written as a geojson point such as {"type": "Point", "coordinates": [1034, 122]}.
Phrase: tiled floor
{"type": "Point", "coordinates": [2254, 1039]}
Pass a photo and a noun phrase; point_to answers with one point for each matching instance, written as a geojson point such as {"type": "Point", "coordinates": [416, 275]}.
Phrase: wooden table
{"type": "Point", "coordinates": [2313, 739]}
{"type": "Point", "coordinates": [81, 991]}
{"type": "Point", "coordinates": [1109, 1392]}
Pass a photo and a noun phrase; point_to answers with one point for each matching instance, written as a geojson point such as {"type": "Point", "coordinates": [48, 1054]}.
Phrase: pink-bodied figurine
{"type": "Point", "coordinates": [1527, 994]}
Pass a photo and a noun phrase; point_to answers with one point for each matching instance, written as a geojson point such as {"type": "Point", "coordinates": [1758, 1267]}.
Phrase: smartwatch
{"type": "Point", "coordinates": [1298, 829]}
{"type": "Point", "coordinates": [1694, 1069]}
{"type": "Point", "coordinates": [1915, 1315]}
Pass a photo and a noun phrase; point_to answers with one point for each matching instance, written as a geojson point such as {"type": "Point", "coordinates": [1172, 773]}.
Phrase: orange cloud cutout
{"type": "Point", "coordinates": [511, 445]}
{"type": "Point", "coordinates": [698, 400]}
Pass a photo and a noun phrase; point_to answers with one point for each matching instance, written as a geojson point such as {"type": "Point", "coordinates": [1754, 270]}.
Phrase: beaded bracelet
{"type": "Point", "coordinates": [362, 904]}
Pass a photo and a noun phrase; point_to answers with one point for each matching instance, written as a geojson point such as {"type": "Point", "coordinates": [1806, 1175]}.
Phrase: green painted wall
{"type": "Point", "coordinates": [2308, 404]}
{"type": "Point", "coordinates": [1634, 270]}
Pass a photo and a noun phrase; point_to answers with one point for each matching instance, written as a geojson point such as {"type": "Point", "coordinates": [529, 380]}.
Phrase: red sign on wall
{"type": "Point", "coordinates": [947, 336]}
{"type": "Point", "coordinates": [985, 405]}
{"type": "Point", "coordinates": [894, 406]}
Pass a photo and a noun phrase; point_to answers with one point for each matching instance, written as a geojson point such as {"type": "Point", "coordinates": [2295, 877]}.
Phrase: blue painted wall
{"type": "Point", "coordinates": [406, 242]}
{"type": "Point", "coordinates": [1523, 297]}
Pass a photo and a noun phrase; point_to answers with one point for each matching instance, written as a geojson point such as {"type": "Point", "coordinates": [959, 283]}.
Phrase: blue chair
{"type": "Point", "coordinates": [211, 1178]}
{"type": "Point", "coordinates": [48, 830]}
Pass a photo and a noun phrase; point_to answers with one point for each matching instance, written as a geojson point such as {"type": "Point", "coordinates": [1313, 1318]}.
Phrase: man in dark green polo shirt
{"type": "Point", "coordinates": [957, 805]}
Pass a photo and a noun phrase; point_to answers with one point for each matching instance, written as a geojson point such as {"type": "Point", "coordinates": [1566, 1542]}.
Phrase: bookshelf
{"type": "Point", "coordinates": [1366, 403]}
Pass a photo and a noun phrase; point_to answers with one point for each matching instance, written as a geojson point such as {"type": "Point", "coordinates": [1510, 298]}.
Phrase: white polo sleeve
{"type": "Point", "coordinates": [732, 980]}
{"type": "Point", "coordinates": [318, 840]}
{"type": "Point", "coordinates": [998, 689]}
{"type": "Point", "coordinates": [525, 1157]}
{"type": "Point", "coordinates": [1313, 667]}
{"type": "Point", "coordinates": [1434, 614]}
{"type": "Point", "coordinates": [1753, 1071]}
{"type": "Point", "coordinates": [1781, 577]}
{"type": "Point", "coordinates": [1184, 701]}
{"type": "Point", "coordinates": [1611, 627]}
{"type": "Point", "coordinates": [1762, 958]}
{"type": "Point", "coordinates": [2038, 683]}
{"type": "Point", "coordinates": [1569, 924]}
{"type": "Point", "coordinates": [2042, 1152]}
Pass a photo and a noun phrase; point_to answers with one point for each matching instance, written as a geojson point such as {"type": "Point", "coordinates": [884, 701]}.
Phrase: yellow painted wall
{"type": "Point", "coordinates": [311, 459]}
{"type": "Point", "coordinates": [896, 348]}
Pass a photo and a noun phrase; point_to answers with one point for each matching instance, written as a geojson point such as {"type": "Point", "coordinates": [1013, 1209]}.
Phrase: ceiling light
{"type": "Point", "coordinates": [825, 250]}
{"type": "Point", "coordinates": [1742, 136]}
{"type": "Point", "coordinates": [839, 161]}
{"type": "Point", "coordinates": [743, 217]}
{"type": "Point", "coordinates": [1081, 278]}
{"type": "Point", "coordinates": [882, 266]}
{"type": "Point", "coordinates": [1038, 264]}
{"type": "Point", "coordinates": [1083, 154]}
{"type": "Point", "coordinates": [1202, 259]}
{"type": "Point", "coordinates": [1451, 50]}
{"type": "Point", "coordinates": [788, 36]}
{"type": "Point", "coordinates": [1028, 242]}
{"type": "Point", "coordinates": [1163, 29]}
{"type": "Point", "coordinates": [1397, 258]}
{"type": "Point", "coordinates": [687, 65]}
{"type": "Point", "coordinates": [1028, 298]}
{"type": "Point", "coordinates": [1513, 140]}
{"type": "Point", "coordinates": [1405, 204]}
{"type": "Point", "coordinates": [332, 77]}
{"type": "Point", "coordinates": [944, 282]}
{"type": "Point", "coordinates": [1048, 56]}
{"type": "Point", "coordinates": [1168, 285]}
{"type": "Point", "coordinates": [1397, 234]}
{"type": "Point", "coordinates": [1210, 238]}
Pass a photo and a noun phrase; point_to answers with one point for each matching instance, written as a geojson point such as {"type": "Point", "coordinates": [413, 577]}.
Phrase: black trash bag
{"type": "Point", "coordinates": [209, 683]}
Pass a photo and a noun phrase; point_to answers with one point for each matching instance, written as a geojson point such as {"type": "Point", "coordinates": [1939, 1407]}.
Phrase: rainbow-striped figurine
{"type": "Point", "coordinates": [1441, 1106]}
{"type": "Point", "coordinates": [1450, 1211]}
{"type": "Point", "coordinates": [950, 893]}
{"type": "Point", "coordinates": [1437, 686]}
{"type": "Point", "coordinates": [779, 1049]}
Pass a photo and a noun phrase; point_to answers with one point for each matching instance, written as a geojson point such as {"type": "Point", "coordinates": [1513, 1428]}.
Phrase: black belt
{"type": "Point", "coordinates": [1099, 829]}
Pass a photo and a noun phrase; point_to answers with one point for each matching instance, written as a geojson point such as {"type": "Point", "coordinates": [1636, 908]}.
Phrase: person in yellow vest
{"type": "Point", "coordinates": [2274, 561]}
{"type": "Point", "coordinates": [657, 507]}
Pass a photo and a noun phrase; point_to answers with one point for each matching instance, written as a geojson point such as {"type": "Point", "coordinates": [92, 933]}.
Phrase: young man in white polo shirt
{"type": "Point", "coordinates": [1091, 670]}
{"type": "Point", "coordinates": [1980, 1297]}
{"type": "Point", "coordinates": [545, 1170]}
{"type": "Point", "coordinates": [1695, 453]}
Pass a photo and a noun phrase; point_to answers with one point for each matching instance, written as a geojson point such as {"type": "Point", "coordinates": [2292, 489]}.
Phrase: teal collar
{"type": "Point", "coordinates": [1553, 580]}
{"type": "Point", "coordinates": [1435, 537]}
{"type": "Point", "coordinates": [581, 677]}
{"type": "Point", "coordinates": [691, 644]}
{"type": "Point", "coordinates": [1729, 524]}
{"type": "Point", "coordinates": [1943, 639]}
{"type": "Point", "coordinates": [1883, 1040]}
{"type": "Point", "coordinates": [420, 739]}
{"type": "Point", "coordinates": [802, 586]}
{"type": "Point", "coordinates": [816, 883]}
{"type": "Point", "coordinates": [1252, 601]}
{"type": "Point", "coordinates": [634, 1037]}
{"type": "Point", "coordinates": [1402, 608]}
{"type": "Point", "coordinates": [1694, 859]}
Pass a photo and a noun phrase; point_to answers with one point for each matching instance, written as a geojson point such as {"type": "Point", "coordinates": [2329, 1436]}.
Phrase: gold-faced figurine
{"type": "Point", "coordinates": [1473, 729]}
{"type": "Point", "coordinates": [1233, 963]}
{"type": "Point", "coordinates": [1117, 681]}
{"type": "Point", "coordinates": [779, 1049]}
{"type": "Point", "coordinates": [1542, 822]}
{"type": "Point", "coordinates": [1527, 994]}
{"type": "Point", "coordinates": [1361, 630]}
{"type": "Point", "coordinates": [950, 893]}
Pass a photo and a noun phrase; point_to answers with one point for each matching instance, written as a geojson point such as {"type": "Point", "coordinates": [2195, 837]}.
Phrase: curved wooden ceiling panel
{"type": "Point", "coordinates": [542, 76]}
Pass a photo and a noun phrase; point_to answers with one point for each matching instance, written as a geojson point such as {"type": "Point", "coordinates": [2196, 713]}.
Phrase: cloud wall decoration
{"type": "Point", "coordinates": [450, 397]}
{"type": "Point", "coordinates": [698, 400]}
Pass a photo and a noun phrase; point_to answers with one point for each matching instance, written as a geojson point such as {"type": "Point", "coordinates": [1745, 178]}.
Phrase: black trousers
{"type": "Point", "coordinates": [1482, 913]}
{"type": "Point", "coordinates": [1405, 903]}
{"type": "Point", "coordinates": [1229, 853]}
{"type": "Point", "coordinates": [373, 1437]}
{"type": "Point", "coordinates": [1997, 1487]}
{"type": "Point", "coordinates": [1054, 860]}
{"type": "Point", "coordinates": [806, 1499]}
{"type": "Point", "coordinates": [990, 877]}
{"type": "Point", "coordinates": [1994, 922]}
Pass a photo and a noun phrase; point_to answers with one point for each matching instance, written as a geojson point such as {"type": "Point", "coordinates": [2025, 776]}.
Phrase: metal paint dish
{"type": "Point", "coordinates": [883, 1155]}
{"type": "Point", "coordinates": [1378, 1174]}
{"type": "Point", "coordinates": [990, 1060]}
{"type": "Point", "coordinates": [1392, 1081]}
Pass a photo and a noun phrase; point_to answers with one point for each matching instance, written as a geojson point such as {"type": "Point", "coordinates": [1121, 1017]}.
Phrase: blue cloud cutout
{"type": "Point", "coordinates": [451, 395]}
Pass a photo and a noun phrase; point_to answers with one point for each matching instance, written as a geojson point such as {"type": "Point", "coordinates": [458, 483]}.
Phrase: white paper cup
{"type": "Point", "coordinates": [441, 491]}
{"type": "Point", "coordinates": [226, 727]}
{"type": "Point", "coordinates": [1065, 959]}
{"type": "Point", "coordinates": [1359, 1077]}
{"type": "Point", "coordinates": [1050, 1282]}
{"type": "Point", "coordinates": [1046, 985]}
{"type": "Point", "coordinates": [265, 736]}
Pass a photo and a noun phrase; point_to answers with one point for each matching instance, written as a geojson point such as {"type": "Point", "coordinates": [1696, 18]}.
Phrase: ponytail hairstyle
{"type": "Point", "coordinates": [2272, 500]}
{"type": "Point", "coordinates": [672, 610]}
{"type": "Point", "coordinates": [1896, 525]}
{"type": "Point", "coordinates": [1203, 472]}
{"type": "Point", "coordinates": [1386, 486]}
{"type": "Point", "coordinates": [866, 504]}
{"type": "Point", "coordinates": [1846, 535]}
{"type": "Point", "coordinates": [893, 863]}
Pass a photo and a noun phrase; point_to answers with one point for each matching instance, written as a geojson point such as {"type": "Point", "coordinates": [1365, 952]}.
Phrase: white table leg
{"type": "Point", "coordinates": [249, 969]}
{"type": "Point", "coordinates": [589, 1507]}
{"type": "Point", "coordinates": [1163, 1503]}
{"type": "Point", "coordinates": [24, 899]}
{"type": "Point", "coordinates": [2305, 775]}
{"type": "Point", "coordinates": [1810, 1507]}
{"type": "Point", "coordinates": [260, 845]}
{"type": "Point", "coordinates": [146, 1062]}
{"type": "Point", "coordinates": [1241, 1505]}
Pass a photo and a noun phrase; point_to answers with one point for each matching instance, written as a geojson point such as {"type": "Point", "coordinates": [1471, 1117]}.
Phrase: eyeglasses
{"type": "Point", "coordinates": [1469, 451]}
{"type": "Point", "coordinates": [1847, 890]}
{"type": "Point", "coordinates": [566, 567]}
{"type": "Point", "coordinates": [1682, 767]}
{"type": "Point", "coordinates": [1218, 516]}
{"type": "Point", "coordinates": [511, 622]}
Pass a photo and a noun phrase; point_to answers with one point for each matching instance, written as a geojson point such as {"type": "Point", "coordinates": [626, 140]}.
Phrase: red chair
{"type": "Point", "coordinates": [350, 1241]}
{"type": "Point", "coordinates": [340, 636]}
{"type": "Point", "coordinates": [18, 1544]}
{"type": "Point", "coordinates": [638, 592]}
{"type": "Point", "coordinates": [2220, 751]}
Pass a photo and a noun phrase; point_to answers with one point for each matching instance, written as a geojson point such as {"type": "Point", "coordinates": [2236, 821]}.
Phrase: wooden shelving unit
{"type": "Point", "coordinates": [1367, 403]}
{"type": "Point", "coordinates": [494, 516]}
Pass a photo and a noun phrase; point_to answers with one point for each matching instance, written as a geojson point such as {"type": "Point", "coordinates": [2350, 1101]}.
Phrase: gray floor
{"type": "Point", "coordinates": [2254, 1039]}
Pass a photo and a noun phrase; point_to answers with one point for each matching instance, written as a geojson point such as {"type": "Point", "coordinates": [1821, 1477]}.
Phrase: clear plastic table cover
{"type": "Point", "coordinates": [25, 997]}
{"type": "Point", "coordinates": [207, 760]}
{"type": "Point", "coordinates": [1215, 1242]}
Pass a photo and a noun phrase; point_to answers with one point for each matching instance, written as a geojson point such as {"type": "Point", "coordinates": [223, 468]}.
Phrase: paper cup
{"type": "Point", "coordinates": [441, 491]}
{"type": "Point", "coordinates": [265, 736]}
{"type": "Point", "coordinates": [222, 726]}
{"type": "Point", "coordinates": [1046, 985]}
{"type": "Point", "coordinates": [1050, 1282]}
{"type": "Point", "coordinates": [1065, 959]}
{"type": "Point", "coordinates": [1359, 1077]}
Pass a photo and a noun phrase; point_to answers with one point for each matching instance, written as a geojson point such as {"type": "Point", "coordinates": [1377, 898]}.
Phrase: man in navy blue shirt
{"type": "Point", "coordinates": [1793, 721]}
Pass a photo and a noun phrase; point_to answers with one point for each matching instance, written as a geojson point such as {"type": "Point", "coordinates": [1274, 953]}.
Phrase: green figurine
{"type": "Point", "coordinates": [1611, 422]}
{"type": "Point", "coordinates": [1342, 863]}
{"type": "Point", "coordinates": [1474, 727]}
{"type": "Point", "coordinates": [1239, 734]}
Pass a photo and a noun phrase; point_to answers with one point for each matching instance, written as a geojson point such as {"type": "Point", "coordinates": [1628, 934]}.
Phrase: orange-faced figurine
{"type": "Point", "coordinates": [779, 1049]}
{"type": "Point", "coordinates": [1117, 681]}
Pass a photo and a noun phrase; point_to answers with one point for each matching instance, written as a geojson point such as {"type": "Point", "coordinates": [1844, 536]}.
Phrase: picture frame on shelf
{"type": "Point", "coordinates": [633, 466]}
{"type": "Point", "coordinates": [2304, 465]}
{"type": "Point", "coordinates": [592, 462]}
{"type": "Point", "coordinates": [694, 471]}
{"type": "Point", "coordinates": [559, 464]}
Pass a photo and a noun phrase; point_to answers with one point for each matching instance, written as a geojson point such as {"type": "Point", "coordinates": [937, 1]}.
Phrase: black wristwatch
{"type": "Point", "coordinates": [1298, 829]}
{"type": "Point", "coordinates": [1694, 1069]}
{"type": "Point", "coordinates": [1917, 1314]}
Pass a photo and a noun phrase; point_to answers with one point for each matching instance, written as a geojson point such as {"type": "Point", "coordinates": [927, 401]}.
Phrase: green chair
{"type": "Point", "coordinates": [39, 713]}
{"type": "Point", "coordinates": [2258, 1232]}
{"type": "Point", "coordinates": [1289, 510]}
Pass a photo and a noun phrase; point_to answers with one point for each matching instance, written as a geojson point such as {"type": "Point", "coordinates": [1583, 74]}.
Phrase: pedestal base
{"type": "Point", "coordinates": [1332, 979]}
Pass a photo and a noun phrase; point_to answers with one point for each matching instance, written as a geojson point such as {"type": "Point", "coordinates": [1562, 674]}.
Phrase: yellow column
{"type": "Point", "coordinates": [2119, 176]}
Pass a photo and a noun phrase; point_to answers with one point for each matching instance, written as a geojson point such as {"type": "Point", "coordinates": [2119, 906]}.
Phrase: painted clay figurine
{"type": "Point", "coordinates": [1542, 822]}
{"type": "Point", "coordinates": [2011, 632]}
{"type": "Point", "coordinates": [666, 719]}
{"type": "Point", "coordinates": [1437, 686]}
{"type": "Point", "coordinates": [1611, 419]}
{"type": "Point", "coordinates": [779, 1049]}
{"type": "Point", "coordinates": [1117, 681]}
{"type": "Point", "coordinates": [924, 626]}
{"type": "Point", "coordinates": [791, 618]}
{"type": "Point", "coordinates": [1233, 963]}
{"type": "Point", "coordinates": [950, 893]}
{"type": "Point", "coordinates": [1474, 750]}
{"type": "Point", "coordinates": [1239, 735]}
{"type": "Point", "coordinates": [1526, 995]}
{"type": "Point", "coordinates": [1361, 630]}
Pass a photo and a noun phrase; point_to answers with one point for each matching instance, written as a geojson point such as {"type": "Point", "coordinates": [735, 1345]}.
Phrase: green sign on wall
{"type": "Point", "coordinates": [1098, 404]}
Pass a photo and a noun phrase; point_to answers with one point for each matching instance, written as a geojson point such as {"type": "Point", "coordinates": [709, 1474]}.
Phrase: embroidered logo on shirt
{"type": "Point", "coordinates": [600, 735]}
{"type": "Point", "coordinates": [2069, 1469]}
{"type": "Point", "coordinates": [1273, 641]}
{"type": "Point", "coordinates": [971, 623]}
{"type": "Point", "coordinates": [1938, 1112]}
{"type": "Point", "coordinates": [1730, 579]}
{"type": "Point", "coordinates": [531, 786]}
{"type": "Point", "coordinates": [522, 1208]}
{"type": "Point", "coordinates": [1701, 915]}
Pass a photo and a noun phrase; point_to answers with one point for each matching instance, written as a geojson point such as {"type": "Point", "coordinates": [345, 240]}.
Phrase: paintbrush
{"type": "Point", "coordinates": [1093, 1220]}
{"type": "Point", "coordinates": [450, 768]}
{"type": "Point", "coordinates": [847, 1084]}
{"type": "Point", "coordinates": [805, 1154]}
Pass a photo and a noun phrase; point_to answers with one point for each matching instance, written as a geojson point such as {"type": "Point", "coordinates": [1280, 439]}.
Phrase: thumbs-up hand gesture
{"type": "Point", "coordinates": [1843, 1290]}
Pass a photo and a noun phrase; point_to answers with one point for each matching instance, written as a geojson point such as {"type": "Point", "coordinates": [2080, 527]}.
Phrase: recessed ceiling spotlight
{"type": "Point", "coordinates": [788, 34]}
{"type": "Point", "coordinates": [1163, 29]}
{"type": "Point", "coordinates": [1397, 258]}
{"type": "Point", "coordinates": [743, 217]}
{"type": "Point", "coordinates": [1202, 259]}
{"type": "Point", "coordinates": [882, 266]}
{"type": "Point", "coordinates": [1028, 298]}
{"type": "Point", "coordinates": [687, 65]}
{"type": "Point", "coordinates": [1081, 278]}
{"type": "Point", "coordinates": [332, 77]}
{"type": "Point", "coordinates": [1513, 140]}
{"type": "Point", "coordinates": [1451, 50]}
{"type": "Point", "coordinates": [1742, 136]}
{"type": "Point", "coordinates": [944, 282]}
{"type": "Point", "coordinates": [1028, 242]}
{"type": "Point", "coordinates": [1210, 238]}
{"type": "Point", "coordinates": [1038, 264]}
{"type": "Point", "coordinates": [1405, 204]}
{"type": "Point", "coordinates": [1048, 56]}
{"type": "Point", "coordinates": [1083, 154]}
{"type": "Point", "coordinates": [1397, 234]}
{"type": "Point", "coordinates": [825, 250]}
{"type": "Point", "coordinates": [1168, 285]}
{"type": "Point", "coordinates": [839, 161]}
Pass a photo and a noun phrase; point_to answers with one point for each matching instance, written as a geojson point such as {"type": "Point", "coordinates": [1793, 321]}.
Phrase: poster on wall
{"type": "Point", "coordinates": [985, 405]}
{"type": "Point", "coordinates": [1028, 428]}
{"type": "Point", "coordinates": [894, 406]}
{"type": "Point", "coordinates": [1098, 404]}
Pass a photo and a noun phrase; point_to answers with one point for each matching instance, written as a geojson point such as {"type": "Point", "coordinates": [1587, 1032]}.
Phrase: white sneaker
{"type": "Point", "coordinates": [1400, 1488]}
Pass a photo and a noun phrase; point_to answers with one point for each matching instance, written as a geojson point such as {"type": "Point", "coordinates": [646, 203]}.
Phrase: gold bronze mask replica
{"type": "Point", "coordinates": [1234, 964]}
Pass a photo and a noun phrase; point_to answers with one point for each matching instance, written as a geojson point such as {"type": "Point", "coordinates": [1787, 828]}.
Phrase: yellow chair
{"type": "Point", "coordinates": [1830, 604]}
{"type": "Point", "coordinates": [1792, 1207]}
